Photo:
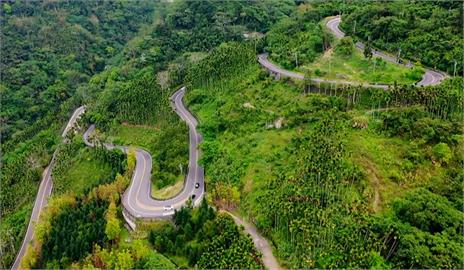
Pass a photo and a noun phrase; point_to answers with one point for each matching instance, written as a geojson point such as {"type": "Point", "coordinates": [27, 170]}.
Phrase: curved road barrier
{"type": "Point", "coordinates": [45, 189]}
{"type": "Point", "coordinates": [430, 77]}
{"type": "Point", "coordinates": [137, 200]}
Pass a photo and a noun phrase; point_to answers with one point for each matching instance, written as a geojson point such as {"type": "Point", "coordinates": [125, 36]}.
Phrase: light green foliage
{"type": "Point", "coordinates": [113, 226]}
{"type": "Point", "coordinates": [79, 168]}
{"type": "Point", "coordinates": [344, 46]}
{"type": "Point", "coordinates": [357, 68]}
{"type": "Point", "coordinates": [442, 152]}
{"type": "Point", "coordinates": [298, 43]}
{"type": "Point", "coordinates": [168, 146]}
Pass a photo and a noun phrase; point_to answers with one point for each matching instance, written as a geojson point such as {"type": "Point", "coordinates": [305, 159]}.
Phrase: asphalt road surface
{"type": "Point", "coordinates": [45, 189]}
{"type": "Point", "coordinates": [137, 199]}
{"type": "Point", "coordinates": [430, 77]}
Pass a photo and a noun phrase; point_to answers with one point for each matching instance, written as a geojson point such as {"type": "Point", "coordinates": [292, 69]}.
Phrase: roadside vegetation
{"type": "Point", "coordinates": [86, 231]}
{"type": "Point", "coordinates": [200, 234]}
{"type": "Point", "coordinates": [354, 67]}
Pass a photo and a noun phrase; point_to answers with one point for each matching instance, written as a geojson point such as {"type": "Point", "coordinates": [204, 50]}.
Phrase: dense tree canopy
{"type": "Point", "coordinates": [201, 235]}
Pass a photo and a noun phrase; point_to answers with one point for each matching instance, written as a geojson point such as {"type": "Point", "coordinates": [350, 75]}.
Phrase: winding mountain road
{"type": "Point", "coordinates": [45, 189]}
{"type": "Point", "coordinates": [430, 77]}
{"type": "Point", "coordinates": [137, 199]}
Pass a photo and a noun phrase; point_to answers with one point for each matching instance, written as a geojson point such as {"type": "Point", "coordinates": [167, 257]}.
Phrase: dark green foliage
{"type": "Point", "coordinates": [224, 61]}
{"type": "Point", "coordinates": [307, 196]}
{"type": "Point", "coordinates": [425, 231]}
{"type": "Point", "coordinates": [203, 25]}
{"type": "Point", "coordinates": [208, 240]}
{"type": "Point", "coordinates": [345, 46]}
{"type": "Point", "coordinates": [135, 98]}
{"type": "Point", "coordinates": [53, 49]}
{"type": "Point", "coordinates": [170, 150]}
{"type": "Point", "coordinates": [429, 212]}
{"type": "Point", "coordinates": [296, 41]}
{"type": "Point", "coordinates": [368, 50]}
{"type": "Point", "coordinates": [74, 233]}
{"type": "Point", "coordinates": [443, 101]}
{"type": "Point", "coordinates": [426, 31]}
{"type": "Point", "coordinates": [415, 122]}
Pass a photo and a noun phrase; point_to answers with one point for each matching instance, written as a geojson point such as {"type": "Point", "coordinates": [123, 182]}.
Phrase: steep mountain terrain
{"type": "Point", "coordinates": [334, 175]}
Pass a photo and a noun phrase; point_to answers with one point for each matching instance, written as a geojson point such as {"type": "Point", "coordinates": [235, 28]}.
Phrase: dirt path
{"type": "Point", "coordinates": [261, 243]}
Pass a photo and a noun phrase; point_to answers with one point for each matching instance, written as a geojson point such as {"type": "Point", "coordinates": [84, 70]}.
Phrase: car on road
{"type": "Point", "coordinates": [167, 208]}
{"type": "Point", "coordinates": [197, 185]}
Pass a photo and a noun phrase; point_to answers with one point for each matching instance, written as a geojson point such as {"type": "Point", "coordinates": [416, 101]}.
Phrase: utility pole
{"type": "Point", "coordinates": [455, 65]}
{"type": "Point", "coordinates": [399, 55]}
{"type": "Point", "coordinates": [329, 66]}
{"type": "Point", "coordinates": [296, 58]}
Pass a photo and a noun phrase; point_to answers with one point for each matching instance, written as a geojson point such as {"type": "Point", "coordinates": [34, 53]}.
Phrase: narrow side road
{"type": "Point", "coordinates": [261, 243]}
{"type": "Point", "coordinates": [45, 189]}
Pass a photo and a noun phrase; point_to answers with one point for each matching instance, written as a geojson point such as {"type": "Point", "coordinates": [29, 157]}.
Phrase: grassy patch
{"type": "Point", "coordinates": [385, 164]}
{"type": "Point", "coordinates": [133, 135]}
{"type": "Point", "coordinates": [85, 171]}
{"type": "Point", "coordinates": [356, 68]}
{"type": "Point", "coordinates": [169, 191]}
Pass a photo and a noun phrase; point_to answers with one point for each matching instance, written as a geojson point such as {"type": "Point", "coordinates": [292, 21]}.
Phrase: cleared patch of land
{"type": "Point", "coordinates": [357, 68]}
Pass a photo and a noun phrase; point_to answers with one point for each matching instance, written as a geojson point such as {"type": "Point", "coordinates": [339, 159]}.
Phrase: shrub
{"type": "Point", "coordinates": [442, 152]}
{"type": "Point", "coordinates": [360, 122]}
{"type": "Point", "coordinates": [345, 47]}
